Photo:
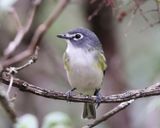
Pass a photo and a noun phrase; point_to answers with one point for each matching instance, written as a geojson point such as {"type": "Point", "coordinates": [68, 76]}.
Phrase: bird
{"type": "Point", "coordinates": [85, 65]}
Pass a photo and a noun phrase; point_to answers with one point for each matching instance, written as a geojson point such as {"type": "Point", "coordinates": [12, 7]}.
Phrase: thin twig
{"type": "Point", "coordinates": [158, 8]}
{"type": "Point", "coordinates": [33, 59]}
{"type": "Point", "coordinates": [14, 14]}
{"type": "Point", "coordinates": [10, 85]}
{"type": "Point", "coordinates": [142, 13]}
{"type": "Point", "coordinates": [117, 98]}
{"type": "Point", "coordinates": [40, 31]}
{"type": "Point", "coordinates": [7, 107]}
{"type": "Point", "coordinates": [100, 5]}
{"type": "Point", "coordinates": [130, 21]}
{"type": "Point", "coordinates": [109, 114]}
{"type": "Point", "coordinates": [13, 70]}
{"type": "Point", "coordinates": [22, 30]}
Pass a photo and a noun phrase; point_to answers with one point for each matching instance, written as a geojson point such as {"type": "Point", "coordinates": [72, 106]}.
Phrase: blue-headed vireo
{"type": "Point", "coordinates": [85, 64]}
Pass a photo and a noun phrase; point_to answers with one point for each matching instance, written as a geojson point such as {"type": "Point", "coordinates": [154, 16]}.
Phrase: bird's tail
{"type": "Point", "coordinates": [89, 111]}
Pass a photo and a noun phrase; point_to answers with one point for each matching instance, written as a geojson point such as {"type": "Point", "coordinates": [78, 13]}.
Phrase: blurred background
{"type": "Point", "coordinates": [130, 34]}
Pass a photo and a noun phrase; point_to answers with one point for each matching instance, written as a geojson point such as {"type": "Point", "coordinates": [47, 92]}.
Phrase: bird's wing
{"type": "Point", "coordinates": [66, 61]}
{"type": "Point", "coordinates": [101, 62]}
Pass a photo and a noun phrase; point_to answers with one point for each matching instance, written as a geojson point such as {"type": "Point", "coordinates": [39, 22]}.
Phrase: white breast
{"type": "Point", "coordinates": [85, 74]}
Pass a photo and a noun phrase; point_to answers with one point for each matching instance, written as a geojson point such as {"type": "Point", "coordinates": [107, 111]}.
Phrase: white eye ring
{"type": "Point", "coordinates": [78, 36]}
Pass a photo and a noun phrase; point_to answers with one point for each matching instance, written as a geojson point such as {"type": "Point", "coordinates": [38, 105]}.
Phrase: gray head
{"type": "Point", "coordinates": [82, 38]}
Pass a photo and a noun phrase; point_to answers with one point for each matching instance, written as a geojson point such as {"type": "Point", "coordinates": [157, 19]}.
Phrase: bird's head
{"type": "Point", "coordinates": [81, 38]}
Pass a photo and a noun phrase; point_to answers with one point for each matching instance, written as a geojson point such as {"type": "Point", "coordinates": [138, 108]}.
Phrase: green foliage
{"type": "Point", "coordinates": [52, 120]}
{"type": "Point", "coordinates": [57, 120]}
{"type": "Point", "coordinates": [27, 121]}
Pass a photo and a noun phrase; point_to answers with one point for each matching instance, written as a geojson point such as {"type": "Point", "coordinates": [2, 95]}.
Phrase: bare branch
{"type": "Point", "coordinates": [141, 13]}
{"type": "Point", "coordinates": [100, 5]}
{"type": "Point", "coordinates": [14, 70]}
{"type": "Point", "coordinates": [7, 107]}
{"type": "Point", "coordinates": [158, 8]}
{"type": "Point", "coordinates": [10, 86]}
{"type": "Point", "coordinates": [14, 14]}
{"type": "Point", "coordinates": [22, 30]}
{"type": "Point", "coordinates": [40, 31]}
{"type": "Point", "coordinates": [33, 59]}
{"type": "Point", "coordinates": [109, 114]}
{"type": "Point", "coordinates": [13, 44]}
{"type": "Point", "coordinates": [117, 98]}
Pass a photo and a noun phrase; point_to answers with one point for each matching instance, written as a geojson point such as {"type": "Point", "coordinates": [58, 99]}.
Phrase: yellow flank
{"type": "Point", "coordinates": [101, 62]}
{"type": "Point", "coordinates": [66, 62]}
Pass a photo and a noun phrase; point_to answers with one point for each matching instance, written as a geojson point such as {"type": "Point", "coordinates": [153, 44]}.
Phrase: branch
{"type": "Point", "coordinates": [34, 57]}
{"type": "Point", "coordinates": [40, 31]}
{"type": "Point", "coordinates": [13, 70]}
{"type": "Point", "coordinates": [15, 16]}
{"type": "Point", "coordinates": [22, 30]}
{"type": "Point", "coordinates": [7, 107]}
{"type": "Point", "coordinates": [109, 114]}
{"type": "Point", "coordinates": [100, 5]}
{"type": "Point", "coordinates": [137, 4]}
{"type": "Point", "coordinates": [10, 85]}
{"type": "Point", "coordinates": [117, 98]}
{"type": "Point", "coordinates": [158, 8]}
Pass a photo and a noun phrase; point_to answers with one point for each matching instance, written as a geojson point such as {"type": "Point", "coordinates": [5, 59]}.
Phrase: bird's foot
{"type": "Point", "coordinates": [98, 100]}
{"type": "Point", "coordinates": [70, 93]}
{"type": "Point", "coordinates": [98, 97]}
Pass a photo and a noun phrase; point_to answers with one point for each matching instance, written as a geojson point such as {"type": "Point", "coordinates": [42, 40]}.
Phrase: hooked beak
{"type": "Point", "coordinates": [65, 36]}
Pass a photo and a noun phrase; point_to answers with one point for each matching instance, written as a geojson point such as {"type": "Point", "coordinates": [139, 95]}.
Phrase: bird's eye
{"type": "Point", "coordinates": [78, 36]}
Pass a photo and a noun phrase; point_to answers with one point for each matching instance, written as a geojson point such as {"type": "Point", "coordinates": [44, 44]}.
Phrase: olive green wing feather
{"type": "Point", "coordinates": [66, 61]}
{"type": "Point", "coordinates": [101, 62]}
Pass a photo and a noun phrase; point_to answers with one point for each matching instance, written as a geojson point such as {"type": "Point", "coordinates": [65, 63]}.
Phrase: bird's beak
{"type": "Point", "coordinates": [65, 36]}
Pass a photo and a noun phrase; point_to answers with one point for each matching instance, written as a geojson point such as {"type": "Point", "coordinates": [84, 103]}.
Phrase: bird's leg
{"type": "Point", "coordinates": [69, 93]}
{"type": "Point", "coordinates": [98, 97]}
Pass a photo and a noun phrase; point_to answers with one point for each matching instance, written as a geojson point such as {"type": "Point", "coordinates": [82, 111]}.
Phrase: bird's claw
{"type": "Point", "coordinates": [98, 97]}
{"type": "Point", "coordinates": [98, 100]}
{"type": "Point", "coordinates": [70, 93]}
